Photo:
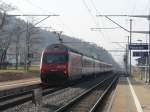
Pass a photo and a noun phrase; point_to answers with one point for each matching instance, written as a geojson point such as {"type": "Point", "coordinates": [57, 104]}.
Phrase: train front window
{"type": "Point", "coordinates": [54, 58]}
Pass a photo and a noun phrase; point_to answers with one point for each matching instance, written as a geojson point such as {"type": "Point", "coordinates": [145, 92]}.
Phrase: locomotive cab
{"type": "Point", "coordinates": [54, 64]}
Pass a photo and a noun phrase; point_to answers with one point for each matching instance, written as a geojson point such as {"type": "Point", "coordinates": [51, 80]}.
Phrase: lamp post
{"type": "Point", "coordinates": [140, 41]}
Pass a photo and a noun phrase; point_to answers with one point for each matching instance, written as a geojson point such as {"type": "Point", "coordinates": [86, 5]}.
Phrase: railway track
{"type": "Point", "coordinates": [17, 96]}
{"type": "Point", "coordinates": [55, 99]}
{"type": "Point", "coordinates": [88, 101]}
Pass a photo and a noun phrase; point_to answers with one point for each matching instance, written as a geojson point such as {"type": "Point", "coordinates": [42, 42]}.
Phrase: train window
{"type": "Point", "coordinates": [54, 58]}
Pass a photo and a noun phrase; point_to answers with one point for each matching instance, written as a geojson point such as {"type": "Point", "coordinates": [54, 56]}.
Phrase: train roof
{"type": "Point", "coordinates": [63, 47]}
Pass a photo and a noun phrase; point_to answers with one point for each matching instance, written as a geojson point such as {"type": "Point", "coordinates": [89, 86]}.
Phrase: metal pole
{"type": "Point", "coordinates": [149, 50]}
{"type": "Point", "coordinates": [130, 44]}
{"type": "Point", "coordinates": [26, 47]}
{"type": "Point", "coordinates": [146, 70]}
{"type": "Point", "coordinates": [128, 57]}
{"type": "Point", "coordinates": [140, 68]}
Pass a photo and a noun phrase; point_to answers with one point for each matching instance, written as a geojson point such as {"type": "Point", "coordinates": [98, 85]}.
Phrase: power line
{"type": "Point", "coordinates": [43, 10]}
{"type": "Point", "coordinates": [102, 33]}
{"type": "Point", "coordinates": [63, 23]}
{"type": "Point", "coordinates": [105, 28]}
{"type": "Point", "coordinates": [89, 11]}
{"type": "Point", "coordinates": [116, 51]}
{"type": "Point", "coordinates": [29, 2]}
{"type": "Point", "coordinates": [134, 7]}
{"type": "Point", "coordinates": [33, 15]}
{"type": "Point", "coordinates": [139, 16]}
{"type": "Point", "coordinates": [35, 23]}
{"type": "Point", "coordinates": [92, 16]}
{"type": "Point", "coordinates": [94, 6]}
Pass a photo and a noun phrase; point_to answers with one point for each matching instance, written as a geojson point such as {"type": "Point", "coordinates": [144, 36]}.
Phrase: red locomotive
{"type": "Point", "coordinates": [60, 63]}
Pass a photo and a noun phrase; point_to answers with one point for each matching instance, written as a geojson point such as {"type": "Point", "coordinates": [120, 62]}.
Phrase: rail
{"type": "Point", "coordinates": [106, 83]}
{"type": "Point", "coordinates": [11, 98]}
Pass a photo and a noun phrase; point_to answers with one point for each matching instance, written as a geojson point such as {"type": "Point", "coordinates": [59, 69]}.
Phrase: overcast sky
{"type": "Point", "coordinates": [78, 16]}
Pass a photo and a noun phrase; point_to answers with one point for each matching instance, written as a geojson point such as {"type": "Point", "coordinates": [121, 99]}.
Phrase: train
{"type": "Point", "coordinates": [60, 64]}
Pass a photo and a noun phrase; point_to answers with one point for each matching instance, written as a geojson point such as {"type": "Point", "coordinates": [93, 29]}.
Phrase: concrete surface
{"type": "Point", "coordinates": [18, 83]}
{"type": "Point", "coordinates": [123, 99]}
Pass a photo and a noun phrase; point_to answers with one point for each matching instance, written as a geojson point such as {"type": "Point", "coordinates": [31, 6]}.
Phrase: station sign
{"type": "Point", "coordinates": [137, 46]}
{"type": "Point", "coordinates": [141, 54]}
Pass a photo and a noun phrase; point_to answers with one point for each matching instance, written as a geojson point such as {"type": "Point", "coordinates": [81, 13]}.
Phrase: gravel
{"type": "Point", "coordinates": [55, 100]}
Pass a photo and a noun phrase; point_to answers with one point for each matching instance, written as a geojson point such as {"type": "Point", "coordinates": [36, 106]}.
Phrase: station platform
{"type": "Point", "coordinates": [18, 83]}
{"type": "Point", "coordinates": [131, 96]}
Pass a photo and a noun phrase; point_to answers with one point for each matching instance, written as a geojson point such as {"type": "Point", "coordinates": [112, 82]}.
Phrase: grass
{"type": "Point", "coordinates": [8, 70]}
{"type": "Point", "coordinates": [34, 70]}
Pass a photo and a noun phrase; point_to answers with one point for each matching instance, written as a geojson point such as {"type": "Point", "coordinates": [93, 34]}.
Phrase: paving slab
{"type": "Point", "coordinates": [131, 96]}
{"type": "Point", "coordinates": [123, 99]}
{"type": "Point", "coordinates": [18, 83]}
{"type": "Point", "coordinates": [142, 91]}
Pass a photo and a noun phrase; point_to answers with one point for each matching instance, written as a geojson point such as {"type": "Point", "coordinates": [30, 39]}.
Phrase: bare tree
{"type": "Point", "coordinates": [17, 38]}
{"type": "Point", "coordinates": [32, 39]}
{"type": "Point", "coordinates": [4, 8]}
{"type": "Point", "coordinates": [2, 18]}
{"type": "Point", "coordinates": [5, 36]}
{"type": "Point", "coordinates": [5, 43]}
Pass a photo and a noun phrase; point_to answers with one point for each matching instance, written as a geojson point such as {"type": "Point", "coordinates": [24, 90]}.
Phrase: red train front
{"type": "Point", "coordinates": [54, 64]}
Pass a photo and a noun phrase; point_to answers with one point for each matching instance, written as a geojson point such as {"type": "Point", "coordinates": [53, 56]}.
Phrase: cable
{"type": "Point", "coordinates": [89, 11]}
{"type": "Point", "coordinates": [93, 17]}
{"type": "Point", "coordinates": [94, 5]}
{"type": "Point", "coordinates": [101, 31]}
{"type": "Point", "coordinates": [30, 3]}
{"type": "Point", "coordinates": [65, 25]}
{"type": "Point", "coordinates": [43, 10]}
{"type": "Point", "coordinates": [134, 7]}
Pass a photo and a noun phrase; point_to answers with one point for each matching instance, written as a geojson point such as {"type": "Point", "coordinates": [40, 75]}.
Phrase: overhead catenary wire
{"type": "Point", "coordinates": [134, 7]}
{"type": "Point", "coordinates": [29, 2]}
{"type": "Point", "coordinates": [90, 12]}
{"type": "Point", "coordinates": [93, 17]}
{"type": "Point", "coordinates": [101, 30]}
{"type": "Point", "coordinates": [59, 19]}
{"type": "Point", "coordinates": [102, 21]}
{"type": "Point", "coordinates": [93, 4]}
{"type": "Point", "coordinates": [65, 25]}
{"type": "Point", "coordinates": [24, 30]}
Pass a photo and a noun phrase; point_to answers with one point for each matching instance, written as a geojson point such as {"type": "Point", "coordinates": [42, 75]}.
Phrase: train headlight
{"type": "Point", "coordinates": [65, 72]}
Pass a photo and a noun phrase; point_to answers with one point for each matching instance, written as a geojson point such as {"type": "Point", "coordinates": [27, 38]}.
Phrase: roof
{"type": "Point", "coordinates": [65, 47]}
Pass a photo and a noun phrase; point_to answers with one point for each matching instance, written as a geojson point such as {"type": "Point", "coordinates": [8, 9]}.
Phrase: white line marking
{"type": "Point", "coordinates": [136, 101]}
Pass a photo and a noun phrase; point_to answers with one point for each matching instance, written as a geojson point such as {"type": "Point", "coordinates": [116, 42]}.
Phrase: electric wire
{"type": "Point", "coordinates": [43, 10]}
{"type": "Point", "coordinates": [93, 17]}
{"type": "Point", "coordinates": [94, 6]}
{"type": "Point", "coordinates": [101, 31]}
{"type": "Point", "coordinates": [90, 12]}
